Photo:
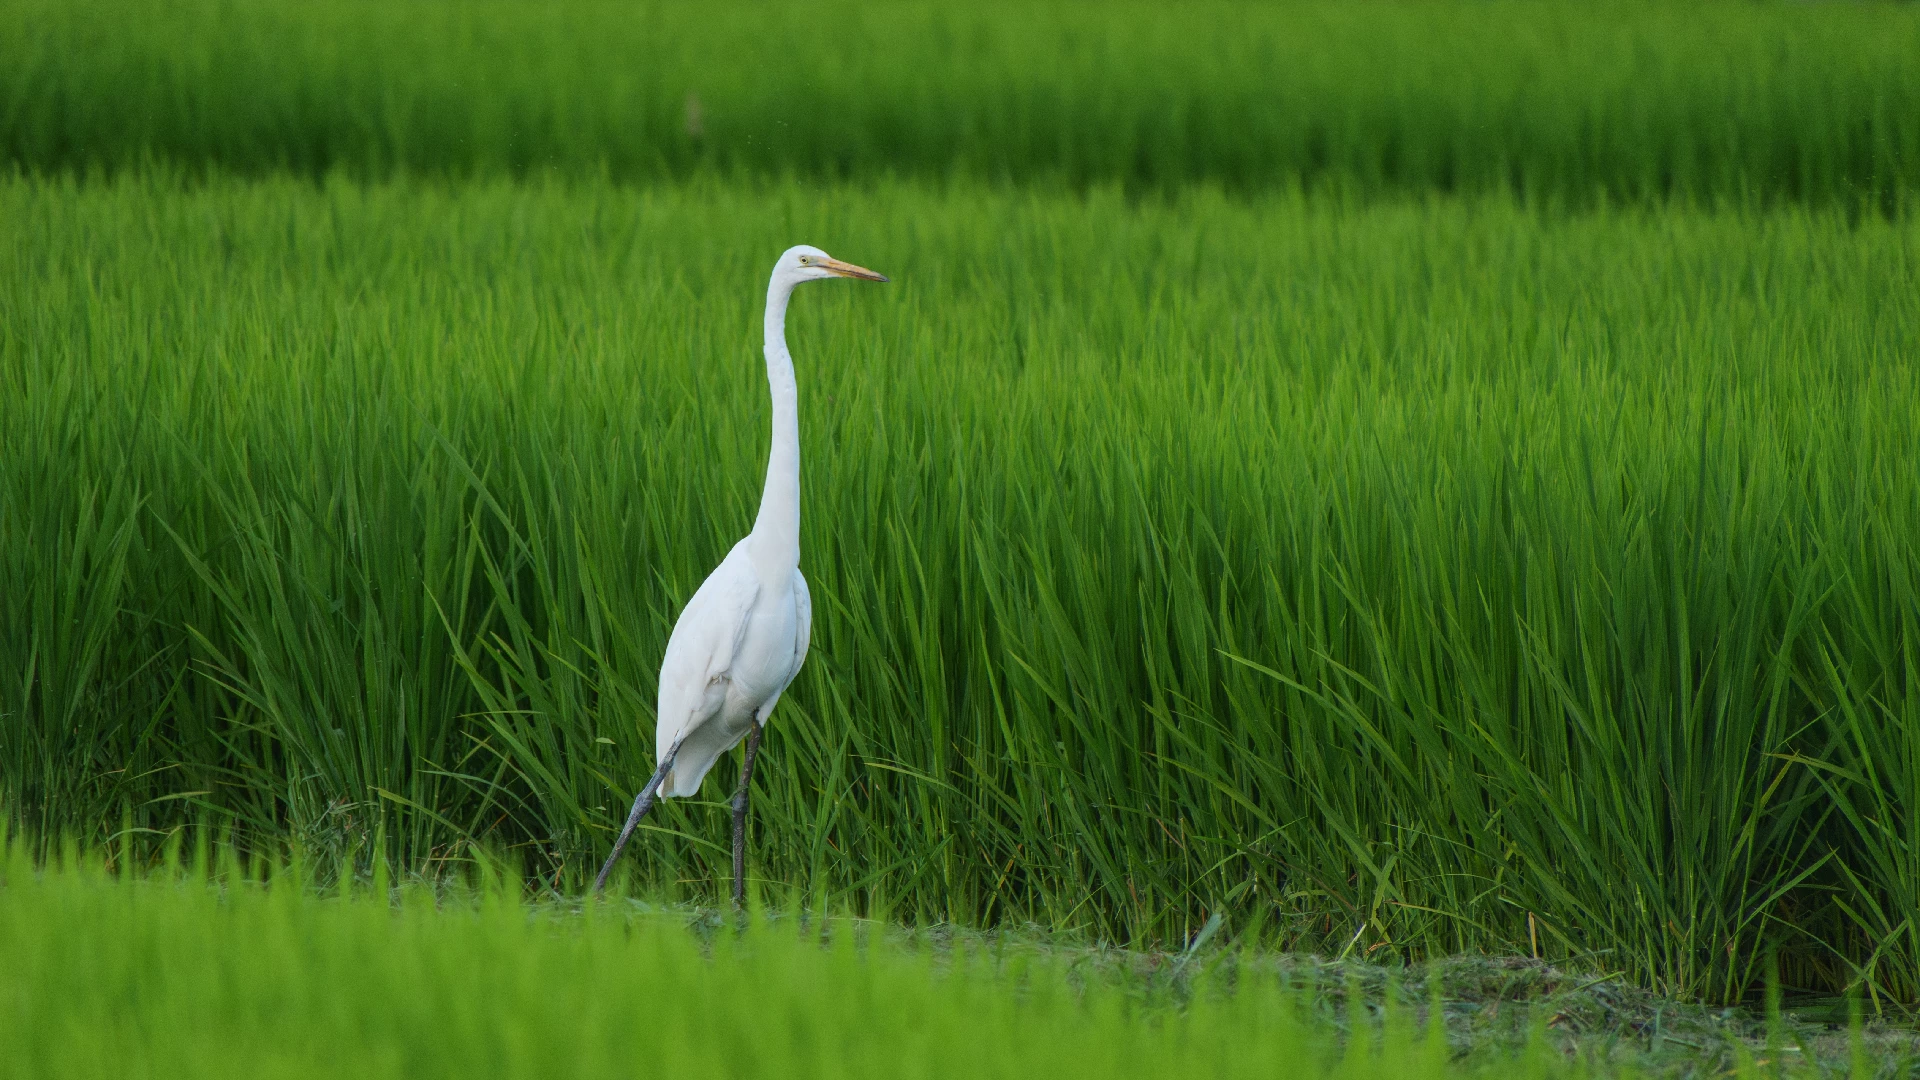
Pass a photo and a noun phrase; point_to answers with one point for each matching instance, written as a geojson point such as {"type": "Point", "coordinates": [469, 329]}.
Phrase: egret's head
{"type": "Point", "coordinates": [805, 263]}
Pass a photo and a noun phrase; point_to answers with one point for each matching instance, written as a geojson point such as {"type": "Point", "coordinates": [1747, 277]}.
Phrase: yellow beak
{"type": "Point", "coordinates": [847, 269]}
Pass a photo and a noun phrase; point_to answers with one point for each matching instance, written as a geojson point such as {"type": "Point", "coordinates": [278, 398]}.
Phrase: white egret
{"type": "Point", "coordinates": [743, 636]}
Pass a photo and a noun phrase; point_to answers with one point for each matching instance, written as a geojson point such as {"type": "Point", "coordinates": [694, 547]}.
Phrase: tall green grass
{"type": "Point", "coordinates": [1416, 577]}
{"type": "Point", "coordinates": [1555, 102]}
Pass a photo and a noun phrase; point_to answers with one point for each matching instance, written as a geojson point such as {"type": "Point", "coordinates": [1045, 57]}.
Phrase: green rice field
{"type": "Point", "coordinates": [1435, 572]}
{"type": "Point", "coordinates": [274, 983]}
{"type": "Point", "coordinates": [1561, 103]}
{"type": "Point", "coordinates": [210, 967]}
{"type": "Point", "coordinates": [1469, 511]}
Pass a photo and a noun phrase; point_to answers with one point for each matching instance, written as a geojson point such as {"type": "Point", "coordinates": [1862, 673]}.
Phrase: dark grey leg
{"type": "Point", "coordinates": [740, 817]}
{"type": "Point", "coordinates": [641, 804]}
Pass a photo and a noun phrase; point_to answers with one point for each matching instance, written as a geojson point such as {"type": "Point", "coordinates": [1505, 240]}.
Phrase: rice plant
{"type": "Point", "coordinates": [213, 970]}
{"type": "Point", "coordinates": [1557, 103]}
{"type": "Point", "coordinates": [1408, 576]}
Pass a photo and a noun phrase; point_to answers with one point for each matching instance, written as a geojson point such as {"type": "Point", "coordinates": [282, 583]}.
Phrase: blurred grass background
{"type": "Point", "coordinates": [210, 965]}
{"type": "Point", "coordinates": [205, 971]}
{"type": "Point", "coordinates": [1562, 103]}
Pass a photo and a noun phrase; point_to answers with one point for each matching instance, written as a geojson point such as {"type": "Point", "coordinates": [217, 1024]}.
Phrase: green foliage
{"type": "Point", "coordinates": [170, 976]}
{"type": "Point", "coordinates": [1552, 101]}
{"type": "Point", "coordinates": [1413, 577]}
{"type": "Point", "coordinates": [214, 966]}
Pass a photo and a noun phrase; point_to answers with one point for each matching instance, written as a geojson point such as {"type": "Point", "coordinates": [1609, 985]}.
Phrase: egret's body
{"type": "Point", "coordinates": [743, 636]}
{"type": "Point", "coordinates": [737, 645]}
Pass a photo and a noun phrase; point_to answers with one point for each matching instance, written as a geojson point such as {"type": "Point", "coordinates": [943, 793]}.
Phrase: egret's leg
{"type": "Point", "coordinates": [740, 817]}
{"type": "Point", "coordinates": [641, 804]}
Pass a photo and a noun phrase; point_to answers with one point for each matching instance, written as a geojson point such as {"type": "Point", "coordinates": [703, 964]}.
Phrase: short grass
{"type": "Point", "coordinates": [209, 968]}
{"type": "Point", "coordinates": [165, 978]}
{"type": "Point", "coordinates": [1413, 577]}
{"type": "Point", "coordinates": [1708, 102]}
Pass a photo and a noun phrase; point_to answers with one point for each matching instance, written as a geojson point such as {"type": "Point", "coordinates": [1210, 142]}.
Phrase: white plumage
{"type": "Point", "coordinates": [737, 645]}
{"type": "Point", "coordinates": [742, 638]}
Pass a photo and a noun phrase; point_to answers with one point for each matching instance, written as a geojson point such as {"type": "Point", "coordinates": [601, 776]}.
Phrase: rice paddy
{"type": "Point", "coordinates": [1559, 103]}
{"type": "Point", "coordinates": [1439, 573]}
{"type": "Point", "coordinates": [1466, 511]}
{"type": "Point", "coordinates": [209, 966]}
{"type": "Point", "coordinates": [168, 977]}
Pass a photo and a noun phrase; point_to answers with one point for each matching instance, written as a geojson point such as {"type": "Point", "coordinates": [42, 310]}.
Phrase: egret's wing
{"type": "Point", "coordinates": [802, 631]}
{"type": "Point", "coordinates": [803, 618]}
{"type": "Point", "coordinates": [694, 674]}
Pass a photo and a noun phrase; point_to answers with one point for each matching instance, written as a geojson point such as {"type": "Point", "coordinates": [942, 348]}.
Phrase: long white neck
{"type": "Point", "coordinates": [774, 544]}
